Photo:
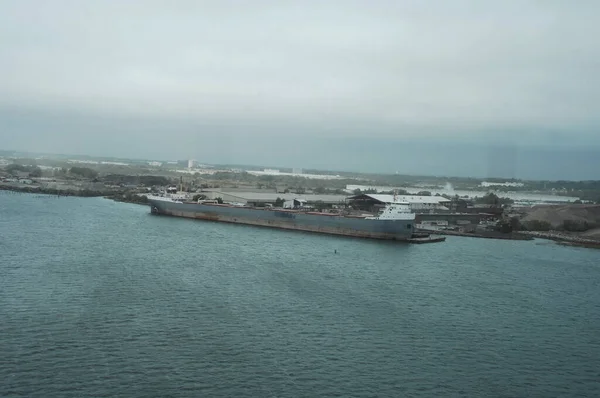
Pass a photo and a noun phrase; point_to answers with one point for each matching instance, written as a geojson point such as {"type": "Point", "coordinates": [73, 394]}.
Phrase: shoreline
{"type": "Point", "coordinates": [489, 235]}
{"type": "Point", "coordinates": [565, 239]}
{"type": "Point", "coordinates": [561, 238]}
{"type": "Point", "coordinates": [35, 189]}
{"type": "Point", "coordinates": [117, 199]}
{"type": "Point", "coordinates": [123, 197]}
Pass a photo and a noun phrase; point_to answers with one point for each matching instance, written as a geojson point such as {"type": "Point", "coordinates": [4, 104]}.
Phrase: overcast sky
{"type": "Point", "coordinates": [225, 79]}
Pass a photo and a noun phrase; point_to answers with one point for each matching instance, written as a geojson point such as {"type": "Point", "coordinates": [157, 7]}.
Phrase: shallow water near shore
{"type": "Point", "coordinates": [99, 298]}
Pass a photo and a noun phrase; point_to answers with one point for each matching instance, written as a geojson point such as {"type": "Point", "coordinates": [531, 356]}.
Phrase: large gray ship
{"type": "Point", "coordinates": [394, 222]}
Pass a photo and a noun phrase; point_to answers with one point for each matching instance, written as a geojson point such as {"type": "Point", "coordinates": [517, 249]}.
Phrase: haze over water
{"type": "Point", "coordinates": [99, 298]}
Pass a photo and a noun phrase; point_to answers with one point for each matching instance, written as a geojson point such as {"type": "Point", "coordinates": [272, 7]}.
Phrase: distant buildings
{"type": "Point", "coordinates": [77, 161]}
{"type": "Point", "coordinates": [192, 164]}
{"type": "Point", "coordinates": [203, 171]}
{"type": "Point", "coordinates": [276, 172]}
{"type": "Point", "coordinates": [115, 163]}
{"type": "Point", "coordinates": [486, 184]}
{"type": "Point", "coordinates": [155, 164]}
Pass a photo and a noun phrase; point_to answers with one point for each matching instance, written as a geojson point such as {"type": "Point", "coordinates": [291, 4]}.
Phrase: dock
{"type": "Point", "coordinates": [479, 234]}
{"type": "Point", "coordinates": [420, 239]}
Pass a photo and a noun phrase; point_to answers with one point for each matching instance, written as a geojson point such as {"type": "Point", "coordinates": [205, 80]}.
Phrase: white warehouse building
{"type": "Point", "coordinates": [419, 204]}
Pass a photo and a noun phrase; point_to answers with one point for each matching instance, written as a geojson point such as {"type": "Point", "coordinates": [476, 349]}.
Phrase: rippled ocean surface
{"type": "Point", "coordinates": [99, 298]}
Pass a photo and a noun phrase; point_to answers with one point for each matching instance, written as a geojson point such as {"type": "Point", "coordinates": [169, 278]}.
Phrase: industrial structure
{"type": "Point", "coordinates": [428, 209]}
{"type": "Point", "coordinates": [395, 222]}
{"type": "Point", "coordinates": [366, 202]}
{"type": "Point", "coordinates": [418, 204]}
{"type": "Point", "coordinates": [264, 198]}
{"type": "Point", "coordinates": [294, 204]}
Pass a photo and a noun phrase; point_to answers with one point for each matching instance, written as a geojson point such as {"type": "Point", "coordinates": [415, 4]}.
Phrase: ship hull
{"type": "Point", "coordinates": [400, 230]}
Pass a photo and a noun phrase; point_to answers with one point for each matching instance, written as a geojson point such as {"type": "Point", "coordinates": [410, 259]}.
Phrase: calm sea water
{"type": "Point", "coordinates": [99, 298]}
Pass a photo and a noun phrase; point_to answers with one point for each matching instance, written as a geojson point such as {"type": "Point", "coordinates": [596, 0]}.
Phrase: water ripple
{"type": "Point", "coordinates": [101, 299]}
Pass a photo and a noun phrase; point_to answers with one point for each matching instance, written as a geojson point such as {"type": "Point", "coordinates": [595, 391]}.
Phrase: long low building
{"type": "Point", "coordinates": [262, 198]}
{"type": "Point", "coordinates": [371, 202]}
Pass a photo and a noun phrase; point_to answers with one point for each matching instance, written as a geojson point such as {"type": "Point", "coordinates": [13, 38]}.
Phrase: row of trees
{"type": "Point", "coordinates": [84, 172]}
{"type": "Point", "coordinates": [392, 192]}
{"type": "Point", "coordinates": [132, 179]}
{"type": "Point", "coordinates": [542, 225]}
{"type": "Point", "coordinates": [33, 171]}
{"type": "Point", "coordinates": [514, 224]}
{"type": "Point", "coordinates": [322, 190]}
{"type": "Point", "coordinates": [493, 200]}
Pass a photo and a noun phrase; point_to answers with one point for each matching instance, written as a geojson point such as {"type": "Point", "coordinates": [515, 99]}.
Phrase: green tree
{"type": "Point", "coordinates": [35, 172]}
{"type": "Point", "coordinates": [515, 223]}
{"type": "Point", "coordinates": [537, 225]}
{"type": "Point", "coordinates": [199, 197]}
{"type": "Point", "coordinates": [319, 190]}
{"type": "Point", "coordinates": [576, 226]}
{"type": "Point", "coordinates": [16, 168]}
{"type": "Point", "coordinates": [508, 225]}
{"type": "Point", "coordinates": [154, 180]}
{"type": "Point", "coordinates": [424, 193]}
{"type": "Point", "coordinates": [504, 226]}
{"type": "Point", "coordinates": [493, 199]}
{"type": "Point", "coordinates": [278, 202]}
{"type": "Point", "coordinates": [219, 200]}
{"type": "Point", "coordinates": [84, 172]}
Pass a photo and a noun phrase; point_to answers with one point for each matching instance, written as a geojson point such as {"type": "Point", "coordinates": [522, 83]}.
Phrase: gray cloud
{"type": "Point", "coordinates": [468, 63]}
